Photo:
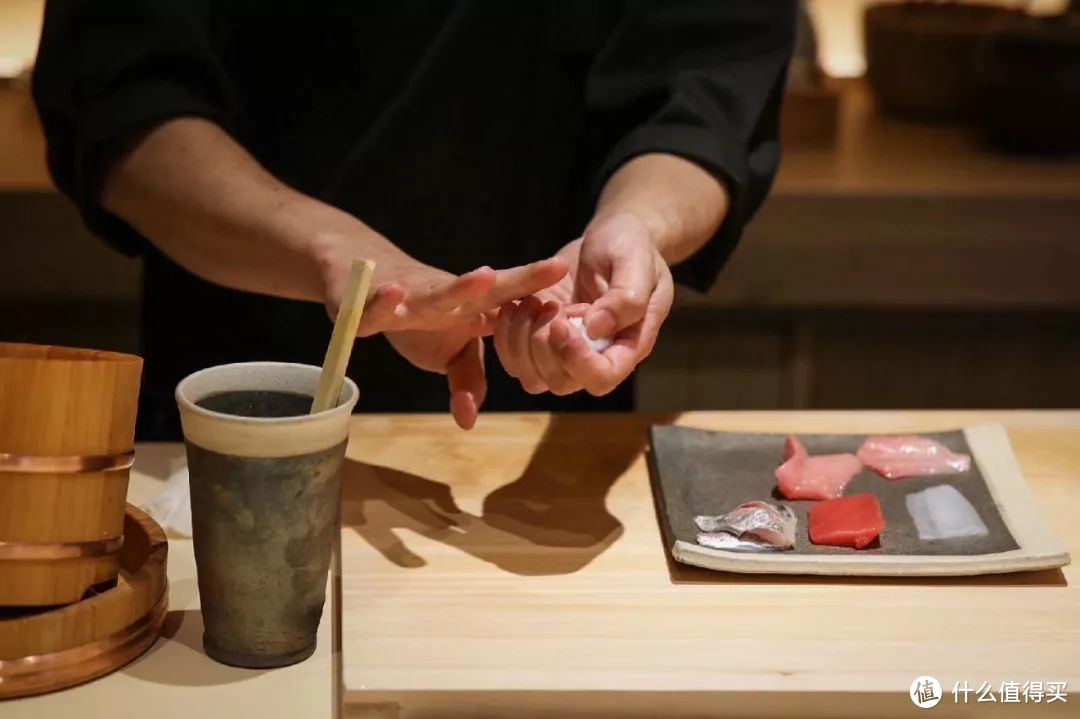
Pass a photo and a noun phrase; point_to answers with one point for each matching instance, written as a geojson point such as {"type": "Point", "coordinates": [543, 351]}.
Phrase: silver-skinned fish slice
{"type": "Point", "coordinates": [731, 543]}
{"type": "Point", "coordinates": [754, 521]}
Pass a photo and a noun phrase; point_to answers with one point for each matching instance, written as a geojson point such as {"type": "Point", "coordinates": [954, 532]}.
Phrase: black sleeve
{"type": "Point", "coordinates": [107, 71]}
{"type": "Point", "coordinates": [703, 80]}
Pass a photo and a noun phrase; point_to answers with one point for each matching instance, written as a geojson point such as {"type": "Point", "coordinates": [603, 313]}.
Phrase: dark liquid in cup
{"type": "Point", "coordinates": [258, 403]}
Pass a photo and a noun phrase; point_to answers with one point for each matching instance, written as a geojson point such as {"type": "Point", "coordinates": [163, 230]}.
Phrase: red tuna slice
{"type": "Point", "coordinates": [793, 447]}
{"type": "Point", "coordinates": [816, 477]}
{"type": "Point", "coordinates": [899, 456]}
{"type": "Point", "coordinates": [853, 521]}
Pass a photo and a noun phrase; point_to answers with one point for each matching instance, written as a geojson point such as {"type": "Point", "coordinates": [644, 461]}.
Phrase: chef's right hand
{"type": "Point", "coordinates": [462, 308]}
{"type": "Point", "coordinates": [436, 320]}
{"type": "Point", "coordinates": [408, 295]}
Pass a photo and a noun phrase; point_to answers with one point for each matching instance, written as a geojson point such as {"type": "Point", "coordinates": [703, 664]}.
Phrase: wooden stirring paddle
{"type": "Point", "coordinates": [341, 341]}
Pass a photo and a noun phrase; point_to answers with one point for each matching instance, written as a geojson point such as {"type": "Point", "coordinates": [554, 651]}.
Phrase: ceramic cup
{"type": "Point", "coordinates": [265, 491]}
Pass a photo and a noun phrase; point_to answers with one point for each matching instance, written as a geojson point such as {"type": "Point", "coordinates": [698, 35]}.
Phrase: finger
{"type": "Point", "coordinates": [633, 279]}
{"type": "Point", "coordinates": [462, 290]}
{"type": "Point", "coordinates": [520, 350]}
{"type": "Point", "coordinates": [379, 311]}
{"type": "Point", "coordinates": [503, 323]}
{"type": "Point", "coordinates": [468, 384]}
{"type": "Point", "coordinates": [599, 373]}
{"type": "Point", "coordinates": [640, 343]}
{"type": "Point", "coordinates": [576, 310]}
{"type": "Point", "coordinates": [488, 322]}
{"type": "Point", "coordinates": [481, 324]}
{"type": "Point", "coordinates": [544, 358]}
{"type": "Point", "coordinates": [636, 343]}
{"type": "Point", "coordinates": [518, 282]}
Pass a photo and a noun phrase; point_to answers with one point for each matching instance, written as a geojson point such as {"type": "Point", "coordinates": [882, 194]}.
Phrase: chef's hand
{"type": "Point", "coordinates": [455, 353]}
{"type": "Point", "coordinates": [409, 295]}
{"type": "Point", "coordinates": [436, 320]}
{"type": "Point", "coordinates": [621, 284]}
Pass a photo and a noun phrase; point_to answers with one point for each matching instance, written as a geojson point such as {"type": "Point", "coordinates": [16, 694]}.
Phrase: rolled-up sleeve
{"type": "Point", "coordinates": [702, 80]}
{"type": "Point", "coordinates": [108, 71]}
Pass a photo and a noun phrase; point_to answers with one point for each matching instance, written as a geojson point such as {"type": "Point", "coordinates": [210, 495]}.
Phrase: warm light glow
{"type": "Point", "coordinates": [20, 26]}
{"type": "Point", "coordinates": [840, 34]}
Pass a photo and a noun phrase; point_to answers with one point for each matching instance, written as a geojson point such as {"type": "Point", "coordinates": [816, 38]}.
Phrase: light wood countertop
{"type": "Point", "coordinates": [518, 570]}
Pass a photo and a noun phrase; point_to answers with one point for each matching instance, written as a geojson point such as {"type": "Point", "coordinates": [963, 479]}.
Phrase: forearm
{"type": "Point", "coordinates": [207, 204]}
{"type": "Point", "coordinates": [681, 204]}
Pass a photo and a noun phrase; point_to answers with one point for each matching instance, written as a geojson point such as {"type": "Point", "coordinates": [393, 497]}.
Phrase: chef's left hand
{"type": "Point", "coordinates": [618, 272]}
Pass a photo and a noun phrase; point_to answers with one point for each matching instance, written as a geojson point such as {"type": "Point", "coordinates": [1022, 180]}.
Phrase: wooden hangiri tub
{"type": "Point", "coordinates": [67, 426]}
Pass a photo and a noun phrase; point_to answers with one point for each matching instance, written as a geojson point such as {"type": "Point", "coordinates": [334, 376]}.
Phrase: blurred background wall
{"type": "Point", "coordinates": [898, 262]}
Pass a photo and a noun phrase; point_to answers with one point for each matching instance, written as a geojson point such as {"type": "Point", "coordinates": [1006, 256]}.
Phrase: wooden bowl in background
{"type": "Point", "coordinates": [920, 56]}
{"type": "Point", "coordinates": [1028, 82]}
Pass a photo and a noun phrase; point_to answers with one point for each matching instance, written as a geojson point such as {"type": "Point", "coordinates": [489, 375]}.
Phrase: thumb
{"type": "Point", "coordinates": [468, 383]}
{"type": "Point", "coordinates": [629, 287]}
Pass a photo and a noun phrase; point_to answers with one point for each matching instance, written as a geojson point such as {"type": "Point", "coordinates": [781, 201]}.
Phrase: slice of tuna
{"type": "Point", "coordinates": [823, 476]}
{"type": "Point", "coordinates": [896, 456]}
{"type": "Point", "coordinates": [853, 521]}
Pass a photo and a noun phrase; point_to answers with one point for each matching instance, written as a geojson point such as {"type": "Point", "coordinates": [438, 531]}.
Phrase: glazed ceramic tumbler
{"type": "Point", "coordinates": [265, 489]}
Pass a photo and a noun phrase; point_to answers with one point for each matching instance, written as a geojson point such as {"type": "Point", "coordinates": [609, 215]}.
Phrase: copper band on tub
{"type": "Point", "coordinates": [16, 551]}
{"type": "Point", "coordinates": [78, 464]}
{"type": "Point", "coordinates": [44, 672]}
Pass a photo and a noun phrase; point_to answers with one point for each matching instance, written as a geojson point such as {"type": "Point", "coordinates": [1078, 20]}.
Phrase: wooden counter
{"type": "Point", "coordinates": [175, 679]}
{"type": "Point", "coordinates": [509, 572]}
{"type": "Point", "coordinates": [518, 571]}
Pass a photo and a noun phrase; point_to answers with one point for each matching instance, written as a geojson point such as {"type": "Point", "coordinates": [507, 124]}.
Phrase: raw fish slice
{"type": "Point", "coordinates": [731, 543]}
{"type": "Point", "coordinates": [941, 512]}
{"type": "Point", "coordinates": [755, 520]}
{"type": "Point", "coordinates": [821, 476]}
{"type": "Point", "coordinates": [853, 521]}
{"type": "Point", "coordinates": [793, 448]}
{"type": "Point", "coordinates": [899, 456]}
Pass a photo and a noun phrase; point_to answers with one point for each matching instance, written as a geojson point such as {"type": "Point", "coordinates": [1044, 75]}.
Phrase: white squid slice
{"type": "Point", "coordinates": [941, 512]}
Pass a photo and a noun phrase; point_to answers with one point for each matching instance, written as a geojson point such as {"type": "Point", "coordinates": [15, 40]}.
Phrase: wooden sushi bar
{"type": "Point", "coordinates": [485, 575]}
{"type": "Point", "coordinates": [781, 558]}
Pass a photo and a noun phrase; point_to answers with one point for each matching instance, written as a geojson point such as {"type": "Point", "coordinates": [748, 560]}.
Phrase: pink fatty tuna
{"type": "Point", "coordinates": [896, 456]}
{"type": "Point", "coordinates": [822, 476]}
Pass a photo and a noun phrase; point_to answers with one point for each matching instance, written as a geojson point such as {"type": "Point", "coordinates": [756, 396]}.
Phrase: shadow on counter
{"type": "Point", "coordinates": [181, 661]}
{"type": "Point", "coordinates": [550, 520]}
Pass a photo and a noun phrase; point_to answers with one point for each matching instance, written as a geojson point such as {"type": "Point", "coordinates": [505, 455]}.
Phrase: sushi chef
{"type": "Point", "coordinates": [247, 151]}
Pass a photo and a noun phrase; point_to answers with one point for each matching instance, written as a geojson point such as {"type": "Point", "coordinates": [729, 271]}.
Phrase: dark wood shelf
{"type": "Point", "coordinates": [875, 156]}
